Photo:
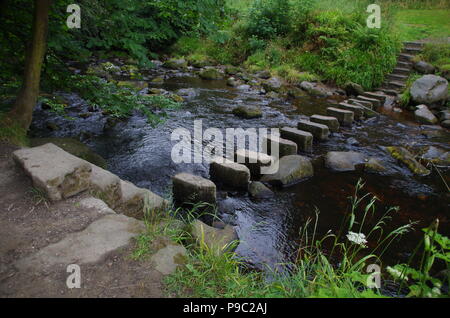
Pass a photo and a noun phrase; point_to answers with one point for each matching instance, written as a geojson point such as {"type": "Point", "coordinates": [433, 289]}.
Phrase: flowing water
{"type": "Point", "coordinates": [269, 229]}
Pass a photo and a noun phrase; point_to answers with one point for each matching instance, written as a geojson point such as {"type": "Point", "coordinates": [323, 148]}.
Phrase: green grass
{"type": "Point", "coordinates": [420, 24]}
{"type": "Point", "coordinates": [11, 132]}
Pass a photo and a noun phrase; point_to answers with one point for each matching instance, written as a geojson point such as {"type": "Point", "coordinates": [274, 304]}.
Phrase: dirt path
{"type": "Point", "coordinates": [29, 226]}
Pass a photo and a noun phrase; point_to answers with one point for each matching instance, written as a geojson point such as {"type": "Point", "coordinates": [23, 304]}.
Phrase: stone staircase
{"type": "Point", "coordinates": [396, 81]}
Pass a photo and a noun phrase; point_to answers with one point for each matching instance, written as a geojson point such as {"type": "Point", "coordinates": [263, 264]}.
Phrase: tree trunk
{"type": "Point", "coordinates": [26, 99]}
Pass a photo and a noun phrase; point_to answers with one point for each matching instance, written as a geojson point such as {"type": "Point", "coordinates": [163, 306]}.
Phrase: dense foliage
{"type": "Point", "coordinates": [320, 38]}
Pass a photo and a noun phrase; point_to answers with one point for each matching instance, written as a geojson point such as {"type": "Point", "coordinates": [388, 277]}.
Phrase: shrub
{"type": "Point", "coordinates": [268, 19]}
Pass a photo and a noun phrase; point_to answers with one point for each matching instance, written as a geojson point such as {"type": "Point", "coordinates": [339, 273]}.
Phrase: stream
{"type": "Point", "coordinates": [269, 229]}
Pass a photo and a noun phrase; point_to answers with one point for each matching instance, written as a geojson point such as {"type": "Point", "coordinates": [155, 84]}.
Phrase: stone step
{"type": "Point", "coordinates": [401, 71]}
{"type": "Point", "coordinates": [319, 131]}
{"type": "Point", "coordinates": [411, 50]}
{"type": "Point", "coordinates": [414, 44]}
{"type": "Point", "coordinates": [331, 122]}
{"type": "Point", "coordinates": [397, 78]}
{"type": "Point", "coordinates": [405, 65]}
{"type": "Point", "coordinates": [59, 174]}
{"type": "Point", "coordinates": [103, 236]}
{"type": "Point", "coordinates": [345, 117]}
{"type": "Point", "coordinates": [286, 147]}
{"type": "Point", "coordinates": [303, 139]}
{"type": "Point", "coordinates": [358, 111]}
{"type": "Point", "coordinates": [253, 160]}
{"type": "Point", "coordinates": [191, 189]}
{"type": "Point", "coordinates": [390, 92]}
{"type": "Point", "coordinates": [402, 57]}
{"type": "Point", "coordinates": [229, 173]}
{"type": "Point", "coordinates": [380, 97]}
{"type": "Point", "coordinates": [395, 85]}
{"type": "Point", "coordinates": [375, 102]}
{"type": "Point", "coordinates": [136, 201]}
{"type": "Point", "coordinates": [360, 102]}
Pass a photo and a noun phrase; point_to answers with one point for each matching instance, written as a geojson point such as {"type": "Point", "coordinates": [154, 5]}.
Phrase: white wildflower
{"type": "Point", "coordinates": [396, 273]}
{"type": "Point", "coordinates": [357, 238]}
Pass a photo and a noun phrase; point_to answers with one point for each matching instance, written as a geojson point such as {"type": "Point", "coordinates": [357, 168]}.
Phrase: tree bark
{"type": "Point", "coordinates": [22, 111]}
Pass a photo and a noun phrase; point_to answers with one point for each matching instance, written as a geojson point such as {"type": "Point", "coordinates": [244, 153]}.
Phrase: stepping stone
{"type": "Point", "coordinates": [59, 174]}
{"type": "Point", "coordinates": [291, 169]}
{"type": "Point", "coordinates": [191, 189]}
{"type": "Point", "coordinates": [303, 139]}
{"type": "Point", "coordinates": [396, 85]}
{"type": "Point", "coordinates": [229, 173]}
{"type": "Point", "coordinates": [345, 117]}
{"type": "Point", "coordinates": [101, 237]}
{"type": "Point", "coordinates": [137, 201]}
{"type": "Point", "coordinates": [390, 92]}
{"type": "Point", "coordinates": [331, 122]}
{"type": "Point", "coordinates": [343, 161]}
{"type": "Point", "coordinates": [402, 71]}
{"type": "Point", "coordinates": [380, 97]}
{"type": "Point", "coordinates": [358, 111]}
{"type": "Point", "coordinates": [375, 102]}
{"type": "Point", "coordinates": [106, 186]}
{"type": "Point", "coordinates": [405, 57]}
{"type": "Point", "coordinates": [360, 102]}
{"type": "Point", "coordinates": [254, 161]}
{"type": "Point", "coordinates": [216, 240]}
{"type": "Point", "coordinates": [414, 44]}
{"type": "Point", "coordinates": [397, 78]}
{"type": "Point", "coordinates": [405, 65]}
{"type": "Point", "coordinates": [412, 50]}
{"type": "Point", "coordinates": [285, 147]}
{"type": "Point", "coordinates": [319, 131]}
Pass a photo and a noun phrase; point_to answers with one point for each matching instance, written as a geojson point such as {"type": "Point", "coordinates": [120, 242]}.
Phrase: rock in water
{"type": "Point", "coordinates": [176, 64]}
{"type": "Point", "coordinates": [229, 173]}
{"type": "Point", "coordinates": [343, 161]}
{"type": "Point", "coordinates": [259, 190]}
{"type": "Point", "coordinates": [191, 189]}
{"type": "Point", "coordinates": [247, 112]}
{"type": "Point", "coordinates": [403, 155]}
{"type": "Point", "coordinates": [274, 84]}
{"type": "Point", "coordinates": [291, 169]}
{"type": "Point", "coordinates": [429, 89]}
{"type": "Point", "coordinates": [424, 115]}
{"type": "Point", "coordinates": [210, 74]}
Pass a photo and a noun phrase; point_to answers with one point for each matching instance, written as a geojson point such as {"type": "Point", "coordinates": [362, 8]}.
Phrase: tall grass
{"type": "Point", "coordinates": [322, 269]}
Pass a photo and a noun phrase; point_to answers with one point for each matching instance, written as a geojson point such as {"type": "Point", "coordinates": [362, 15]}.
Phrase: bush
{"type": "Point", "coordinates": [268, 19]}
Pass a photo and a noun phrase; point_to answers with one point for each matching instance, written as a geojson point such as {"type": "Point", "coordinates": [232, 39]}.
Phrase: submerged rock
{"type": "Point", "coordinates": [247, 112]}
{"type": "Point", "coordinates": [291, 169]}
{"type": "Point", "coordinates": [176, 64]}
{"type": "Point", "coordinates": [344, 161]}
{"type": "Point", "coordinates": [424, 115]}
{"type": "Point", "coordinates": [210, 74]}
{"type": "Point", "coordinates": [404, 156]}
{"type": "Point", "coordinates": [374, 166]}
